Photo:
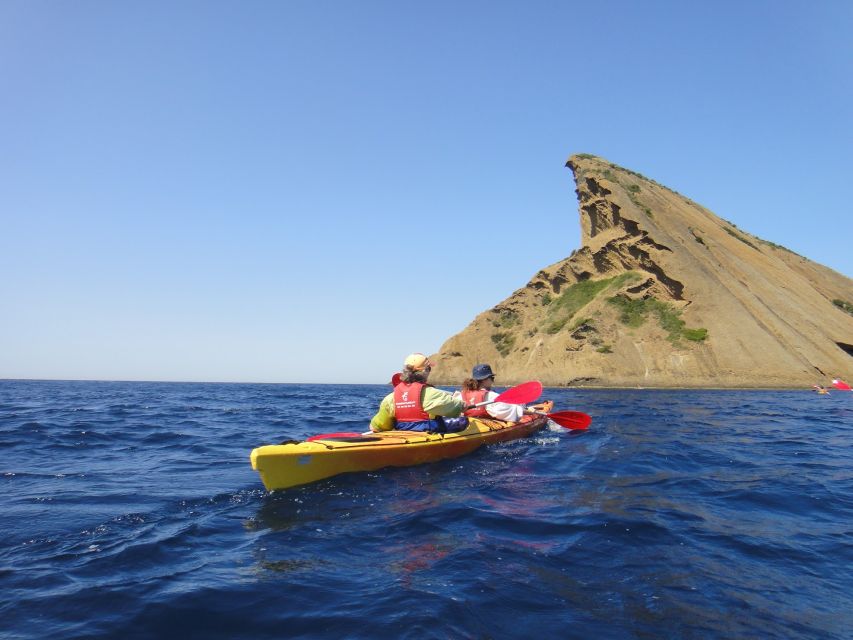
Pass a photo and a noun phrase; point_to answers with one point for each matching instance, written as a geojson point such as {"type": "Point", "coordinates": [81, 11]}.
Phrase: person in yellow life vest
{"type": "Point", "coordinates": [415, 405]}
{"type": "Point", "coordinates": [478, 388]}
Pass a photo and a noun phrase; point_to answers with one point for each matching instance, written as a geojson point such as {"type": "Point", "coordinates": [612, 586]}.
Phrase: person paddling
{"type": "Point", "coordinates": [415, 405]}
{"type": "Point", "coordinates": [478, 388]}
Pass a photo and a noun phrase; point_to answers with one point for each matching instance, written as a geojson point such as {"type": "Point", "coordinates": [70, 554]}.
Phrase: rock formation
{"type": "Point", "coordinates": [662, 293]}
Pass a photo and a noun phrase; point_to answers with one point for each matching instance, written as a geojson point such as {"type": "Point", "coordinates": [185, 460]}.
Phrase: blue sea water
{"type": "Point", "coordinates": [130, 510]}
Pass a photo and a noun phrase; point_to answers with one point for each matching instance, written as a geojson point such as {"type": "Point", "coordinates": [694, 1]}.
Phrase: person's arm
{"type": "Point", "coordinates": [384, 418]}
{"type": "Point", "coordinates": [441, 403]}
{"type": "Point", "coordinates": [502, 410]}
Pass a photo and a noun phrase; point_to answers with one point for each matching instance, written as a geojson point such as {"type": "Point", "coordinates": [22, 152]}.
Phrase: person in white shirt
{"type": "Point", "coordinates": [478, 388]}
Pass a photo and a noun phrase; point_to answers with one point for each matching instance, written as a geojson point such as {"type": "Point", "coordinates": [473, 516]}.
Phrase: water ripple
{"type": "Point", "coordinates": [130, 510]}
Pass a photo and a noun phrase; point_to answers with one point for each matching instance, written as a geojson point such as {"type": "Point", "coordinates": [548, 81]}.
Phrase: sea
{"type": "Point", "coordinates": [130, 510]}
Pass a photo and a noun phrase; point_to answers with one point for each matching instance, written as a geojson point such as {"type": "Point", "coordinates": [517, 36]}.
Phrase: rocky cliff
{"type": "Point", "coordinates": [662, 293]}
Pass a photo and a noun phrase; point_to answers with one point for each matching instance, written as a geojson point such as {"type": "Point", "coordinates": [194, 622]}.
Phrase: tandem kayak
{"type": "Point", "coordinates": [295, 463]}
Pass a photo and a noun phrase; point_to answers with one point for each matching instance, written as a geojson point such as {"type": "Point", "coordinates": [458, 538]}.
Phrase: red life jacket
{"type": "Point", "coordinates": [473, 396]}
{"type": "Point", "coordinates": [407, 402]}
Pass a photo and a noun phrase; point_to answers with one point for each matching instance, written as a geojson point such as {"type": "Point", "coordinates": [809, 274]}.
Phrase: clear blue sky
{"type": "Point", "coordinates": [308, 191]}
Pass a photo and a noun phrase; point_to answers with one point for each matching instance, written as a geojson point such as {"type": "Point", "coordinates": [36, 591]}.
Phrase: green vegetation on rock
{"type": "Point", "coordinates": [696, 236]}
{"type": "Point", "coordinates": [633, 190]}
{"type": "Point", "coordinates": [581, 322]}
{"type": "Point", "coordinates": [577, 296]}
{"type": "Point", "coordinates": [778, 246]}
{"type": "Point", "coordinates": [631, 312]}
{"type": "Point", "coordinates": [843, 305]}
{"type": "Point", "coordinates": [506, 319]}
{"type": "Point", "coordinates": [634, 312]}
{"type": "Point", "coordinates": [735, 234]}
{"type": "Point", "coordinates": [732, 233]}
{"type": "Point", "coordinates": [636, 174]}
{"type": "Point", "coordinates": [504, 342]}
{"type": "Point", "coordinates": [697, 335]}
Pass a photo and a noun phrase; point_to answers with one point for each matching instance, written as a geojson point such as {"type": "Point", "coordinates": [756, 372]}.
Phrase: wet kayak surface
{"type": "Point", "coordinates": [131, 510]}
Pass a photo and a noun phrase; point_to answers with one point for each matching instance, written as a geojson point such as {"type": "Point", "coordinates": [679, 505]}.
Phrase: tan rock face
{"type": "Point", "coordinates": [663, 293]}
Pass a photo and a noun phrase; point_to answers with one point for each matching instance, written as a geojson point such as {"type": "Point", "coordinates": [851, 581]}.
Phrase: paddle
{"type": "Point", "coordinates": [519, 394]}
{"type": "Point", "coordinates": [574, 420]}
{"type": "Point", "coordinates": [570, 419]}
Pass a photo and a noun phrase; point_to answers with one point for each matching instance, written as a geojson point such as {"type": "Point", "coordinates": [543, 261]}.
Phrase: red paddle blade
{"type": "Point", "coordinates": [522, 393]}
{"type": "Point", "coordinates": [571, 419]}
{"type": "Point", "coordinates": [395, 379]}
{"type": "Point", "coordinates": [342, 434]}
{"type": "Point", "coordinates": [840, 384]}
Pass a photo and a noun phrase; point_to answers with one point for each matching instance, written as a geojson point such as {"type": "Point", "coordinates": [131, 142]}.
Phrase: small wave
{"type": "Point", "coordinates": [672, 508]}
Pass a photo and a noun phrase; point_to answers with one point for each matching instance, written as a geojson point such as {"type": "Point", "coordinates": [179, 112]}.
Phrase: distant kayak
{"type": "Point", "coordinates": [296, 463]}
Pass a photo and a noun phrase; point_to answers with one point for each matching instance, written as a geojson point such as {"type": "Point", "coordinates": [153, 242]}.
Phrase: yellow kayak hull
{"type": "Point", "coordinates": [289, 465]}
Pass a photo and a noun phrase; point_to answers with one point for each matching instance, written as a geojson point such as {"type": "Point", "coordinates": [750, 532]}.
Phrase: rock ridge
{"type": "Point", "coordinates": [662, 293]}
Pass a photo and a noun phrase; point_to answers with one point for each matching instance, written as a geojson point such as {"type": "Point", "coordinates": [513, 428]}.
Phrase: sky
{"type": "Point", "coordinates": [308, 191]}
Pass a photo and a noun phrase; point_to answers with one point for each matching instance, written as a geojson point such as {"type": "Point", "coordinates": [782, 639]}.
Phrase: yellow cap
{"type": "Point", "coordinates": [417, 362]}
